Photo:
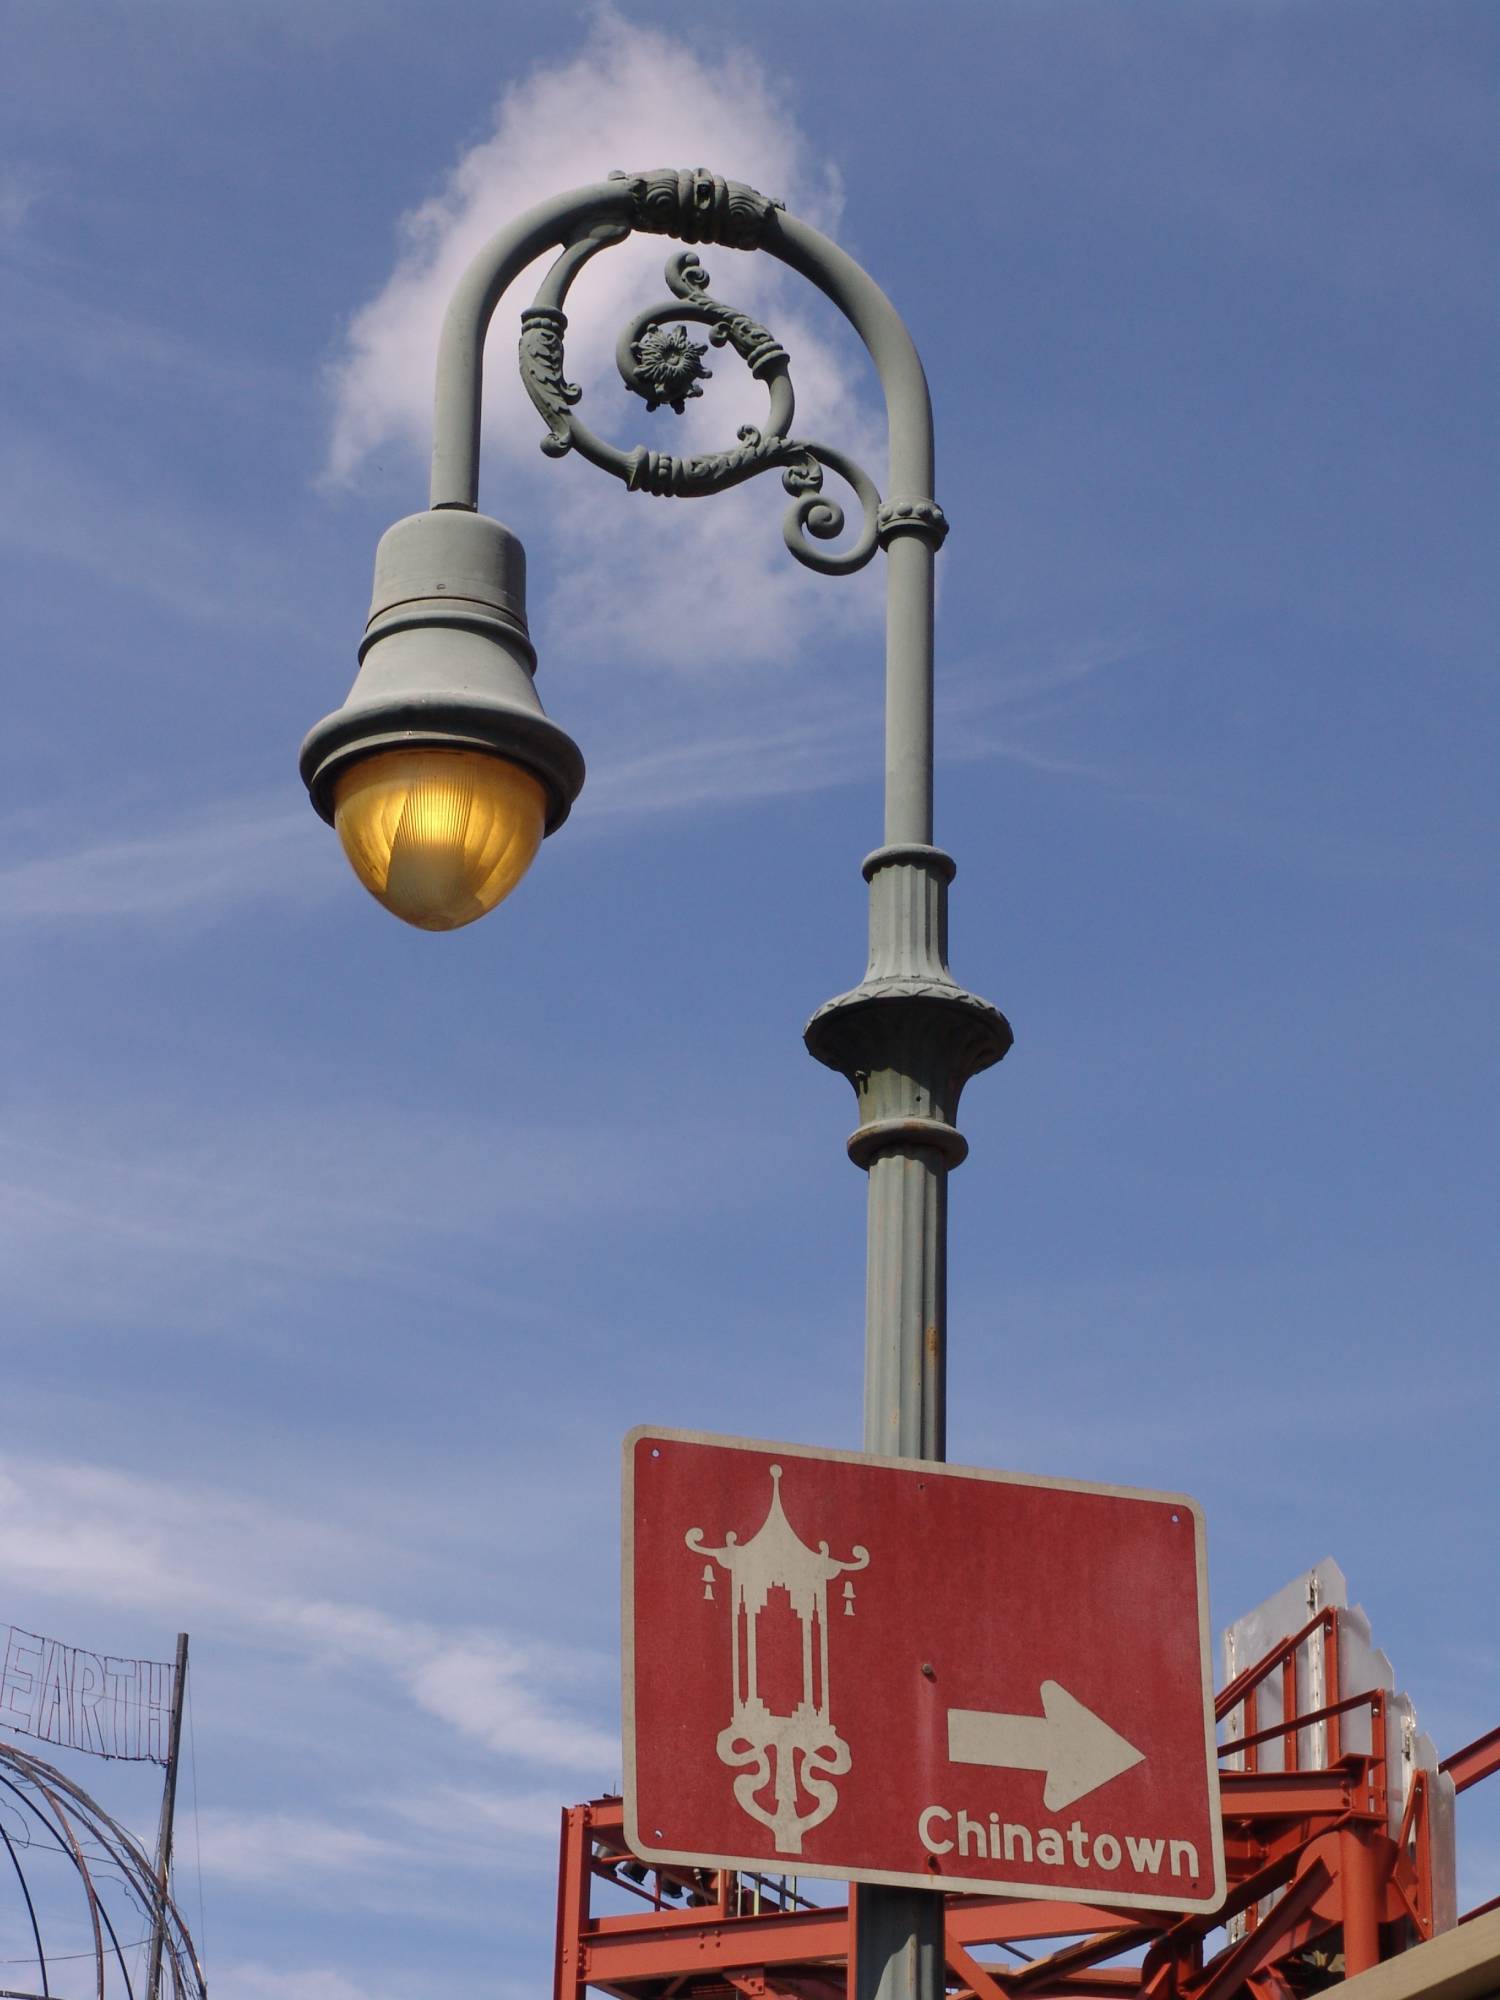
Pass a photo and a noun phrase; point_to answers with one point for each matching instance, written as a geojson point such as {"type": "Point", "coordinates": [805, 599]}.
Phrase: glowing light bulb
{"type": "Point", "coordinates": [439, 836]}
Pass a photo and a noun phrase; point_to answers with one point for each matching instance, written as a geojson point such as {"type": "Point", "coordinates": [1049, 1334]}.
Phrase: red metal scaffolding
{"type": "Point", "coordinates": [1320, 1886]}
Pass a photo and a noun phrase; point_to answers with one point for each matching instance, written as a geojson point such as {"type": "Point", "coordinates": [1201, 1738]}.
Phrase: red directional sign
{"type": "Point", "coordinates": [888, 1670]}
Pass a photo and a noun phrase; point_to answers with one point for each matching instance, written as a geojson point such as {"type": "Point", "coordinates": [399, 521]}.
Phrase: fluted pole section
{"type": "Point", "coordinates": [907, 1298]}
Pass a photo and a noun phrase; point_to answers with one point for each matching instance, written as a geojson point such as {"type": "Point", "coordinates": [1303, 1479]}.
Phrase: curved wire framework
{"type": "Point", "coordinates": [111, 1904]}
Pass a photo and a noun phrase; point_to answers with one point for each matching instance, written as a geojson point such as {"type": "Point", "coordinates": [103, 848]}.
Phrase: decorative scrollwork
{"type": "Point", "coordinates": [542, 329]}
{"type": "Point", "coordinates": [648, 343]}
{"type": "Point", "coordinates": [813, 514]}
{"type": "Point", "coordinates": [715, 472]}
{"type": "Point", "coordinates": [759, 349]}
{"type": "Point", "coordinates": [696, 206]}
{"type": "Point", "coordinates": [660, 362]}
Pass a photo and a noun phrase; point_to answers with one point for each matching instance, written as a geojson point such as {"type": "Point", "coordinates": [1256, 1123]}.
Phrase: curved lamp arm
{"type": "Point", "coordinates": [741, 220]}
{"type": "Point", "coordinates": [702, 208]}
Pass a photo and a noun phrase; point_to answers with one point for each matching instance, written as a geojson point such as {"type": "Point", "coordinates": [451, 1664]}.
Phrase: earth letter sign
{"type": "Point", "coordinates": [889, 1670]}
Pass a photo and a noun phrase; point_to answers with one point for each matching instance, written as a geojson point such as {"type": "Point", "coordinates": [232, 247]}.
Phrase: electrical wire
{"type": "Point", "coordinates": [64, 1957]}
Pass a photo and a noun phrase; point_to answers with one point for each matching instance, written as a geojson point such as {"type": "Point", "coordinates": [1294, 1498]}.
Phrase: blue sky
{"type": "Point", "coordinates": [337, 1258]}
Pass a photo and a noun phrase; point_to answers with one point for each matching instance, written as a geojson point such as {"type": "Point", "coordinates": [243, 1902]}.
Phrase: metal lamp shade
{"type": "Point", "coordinates": [446, 664]}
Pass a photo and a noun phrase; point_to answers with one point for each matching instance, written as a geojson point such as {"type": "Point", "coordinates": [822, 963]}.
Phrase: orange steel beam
{"type": "Point", "coordinates": [992, 1920]}
{"type": "Point", "coordinates": [1235, 1966]}
{"type": "Point", "coordinates": [979, 1980]}
{"type": "Point", "coordinates": [1361, 1886]}
{"type": "Point", "coordinates": [637, 1947]}
{"type": "Point", "coordinates": [573, 1873]}
{"type": "Point", "coordinates": [1288, 1794]}
{"type": "Point", "coordinates": [1042, 1972]}
{"type": "Point", "coordinates": [1229, 1698]}
{"type": "Point", "coordinates": [1479, 1759]}
{"type": "Point", "coordinates": [1372, 1698]}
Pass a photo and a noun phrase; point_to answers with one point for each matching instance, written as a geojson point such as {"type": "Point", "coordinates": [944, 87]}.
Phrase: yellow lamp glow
{"type": "Point", "coordinates": [439, 836]}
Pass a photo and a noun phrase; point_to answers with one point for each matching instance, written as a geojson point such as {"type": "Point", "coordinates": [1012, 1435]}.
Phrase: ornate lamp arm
{"type": "Point", "coordinates": [696, 207]}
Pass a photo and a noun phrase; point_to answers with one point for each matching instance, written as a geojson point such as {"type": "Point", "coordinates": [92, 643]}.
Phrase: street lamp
{"type": "Point", "coordinates": [442, 772]}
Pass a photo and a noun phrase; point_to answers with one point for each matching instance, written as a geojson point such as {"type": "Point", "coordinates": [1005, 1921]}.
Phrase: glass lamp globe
{"type": "Point", "coordinates": [439, 836]}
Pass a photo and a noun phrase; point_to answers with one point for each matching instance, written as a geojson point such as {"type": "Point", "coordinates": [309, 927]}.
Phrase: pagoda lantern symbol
{"type": "Point", "coordinates": [806, 1749]}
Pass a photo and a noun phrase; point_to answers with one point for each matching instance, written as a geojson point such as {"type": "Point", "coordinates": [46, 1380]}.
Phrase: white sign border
{"type": "Point", "coordinates": [968, 1885]}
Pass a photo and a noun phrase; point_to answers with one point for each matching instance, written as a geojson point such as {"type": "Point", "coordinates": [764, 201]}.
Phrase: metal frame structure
{"type": "Point", "coordinates": [67, 1821]}
{"type": "Point", "coordinates": [447, 663]}
{"type": "Point", "coordinates": [1319, 1889]}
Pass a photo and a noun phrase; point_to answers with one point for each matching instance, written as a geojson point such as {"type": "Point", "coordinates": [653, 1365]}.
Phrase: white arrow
{"type": "Point", "coordinates": [1078, 1752]}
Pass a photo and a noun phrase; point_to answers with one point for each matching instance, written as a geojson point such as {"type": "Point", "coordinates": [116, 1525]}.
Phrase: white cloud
{"type": "Point", "coordinates": [282, 1849]}
{"type": "Point", "coordinates": [632, 98]}
{"type": "Point", "coordinates": [816, 738]}
{"type": "Point", "coordinates": [252, 1980]}
{"type": "Point", "coordinates": [437, 1753]}
{"type": "Point", "coordinates": [638, 571]}
{"type": "Point", "coordinates": [481, 1688]}
{"type": "Point", "coordinates": [18, 196]}
{"type": "Point", "coordinates": [87, 1533]}
{"type": "Point", "coordinates": [717, 754]}
{"type": "Point", "coordinates": [469, 1815]}
{"type": "Point", "coordinates": [199, 1215]}
{"type": "Point", "coordinates": [490, 1689]}
{"type": "Point", "coordinates": [89, 1536]}
{"type": "Point", "coordinates": [86, 516]}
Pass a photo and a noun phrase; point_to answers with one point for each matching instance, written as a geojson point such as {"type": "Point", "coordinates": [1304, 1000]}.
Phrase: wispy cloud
{"type": "Point", "coordinates": [815, 740]}
{"type": "Point", "coordinates": [481, 1688]}
{"type": "Point", "coordinates": [467, 1813]}
{"type": "Point", "coordinates": [199, 1216]}
{"type": "Point", "coordinates": [80, 1534]}
{"type": "Point", "coordinates": [1057, 669]}
{"type": "Point", "coordinates": [251, 1979]}
{"type": "Point", "coordinates": [295, 1607]}
{"type": "Point", "coordinates": [490, 1689]}
{"type": "Point", "coordinates": [126, 535]}
{"type": "Point", "coordinates": [282, 1850]}
{"type": "Point", "coordinates": [632, 97]}
{"type": "Point", "coordinates": [18, 197]}
{"type": "Point", "coordinates": [103, 342]}
{"type": "Point", "coordinates": [715, 753]}
{"type": "Point", "coordinates": [208, 862]}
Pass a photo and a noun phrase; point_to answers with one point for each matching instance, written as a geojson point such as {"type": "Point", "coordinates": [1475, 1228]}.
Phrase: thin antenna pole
{"type": "Point", "coordinates": [164, 1829]}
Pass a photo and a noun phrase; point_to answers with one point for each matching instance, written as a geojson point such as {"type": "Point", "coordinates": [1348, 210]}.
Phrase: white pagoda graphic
{"type": "Point", "coordinates": [807, 1749]}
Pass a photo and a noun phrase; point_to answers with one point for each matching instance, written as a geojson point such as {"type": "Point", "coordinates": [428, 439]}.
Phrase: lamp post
{"type": "Point", "coordinates": [442, 773]}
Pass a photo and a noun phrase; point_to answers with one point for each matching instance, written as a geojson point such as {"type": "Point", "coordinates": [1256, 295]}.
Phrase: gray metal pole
{"type": "Point", "coordinates": [908, 1037]}
{"type": "Point", "coordinates": [164, 1828]}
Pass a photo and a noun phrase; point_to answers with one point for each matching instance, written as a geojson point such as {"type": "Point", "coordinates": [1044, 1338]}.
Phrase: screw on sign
{"type": "Point", "coordinates": [890, 1670]}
